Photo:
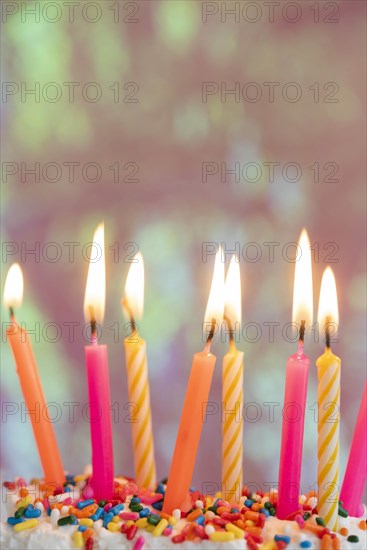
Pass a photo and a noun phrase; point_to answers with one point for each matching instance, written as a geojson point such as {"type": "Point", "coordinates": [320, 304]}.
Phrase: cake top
{"type": "Point", "coordinates": [70, 517]}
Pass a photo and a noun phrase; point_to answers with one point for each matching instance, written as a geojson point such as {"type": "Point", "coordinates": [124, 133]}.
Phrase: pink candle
{"type": "Point", "coordinates": [292, 433]}
{"type": "Point", "coordinates": [295, 388]}
{"type": "Point", "coordinates": [98, 377]}
{"type": "Point", "coordinates": [355, 474]}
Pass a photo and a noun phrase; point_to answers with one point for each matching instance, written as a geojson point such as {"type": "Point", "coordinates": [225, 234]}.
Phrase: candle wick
{"type": "Point", "coordinates": [302, 328]}
{"type": "Point", "coordinates": [11, 313]}
{"type": "Point", "coordinates": [327, 332]}
{"type": "Point", "coordinates": [210, 336]}
{"type": "Point", "coordinates": [126, 305]}
{"type": "Point", "coordinates": [93, 325]}
{"type": "Point", "coordinates": [230, 329]}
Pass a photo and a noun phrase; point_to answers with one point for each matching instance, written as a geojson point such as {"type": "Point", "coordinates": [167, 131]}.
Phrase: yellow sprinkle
{"type": "Point", "coordinates": [249, 523]}
{"type": "Point", "coordinates": [149, 528]}
{"type": "Point", "coordinates": [172, 520]}
{"type": "Point", "coordinates": [129, 522]}
{"type": "Point", "coordinates": [113, 527]}
{"type": "Point", "coordinates": [141, 523]}
{"type": "Point", "coordinates": [158, 529]}
{"type": "Point", "coordinates": [23, 502]}
{"type": "Point", "coordinates": [209, 501]}
{"type": "Point", "coordinates": [116, 519]}
{"type": "Point", "coordinates": [268, 546]}
{"type": "Point", "coordinates": [86, 521]}
{"type": "Point", "coordinates": [78, 539]}
{"type": "Point", "coordinates": [221, 536]}
{"type": "Point", "coordinates": [80, 478]}
{"type": "Point", "coordinates": [28, 524]}
{"type": "Point", "coordinates": [238, 533]}
{"type": "Point", "coordinates": [218, 495]}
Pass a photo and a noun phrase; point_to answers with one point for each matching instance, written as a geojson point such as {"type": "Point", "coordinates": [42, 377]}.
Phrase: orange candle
{"type": "Point", "coordinates": [30, 383]}
{"type": "Point", "coordinates": [197, 395]}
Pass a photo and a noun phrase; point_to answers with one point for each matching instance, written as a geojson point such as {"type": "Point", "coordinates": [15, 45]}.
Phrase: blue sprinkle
{"type": "Point", "coordinates": [305, 544]}
{"type": "Point", "coordinates": [32, 513]}
{"type": "Point", "coordinates": [14, 521]}
{"type": "Point", "coordinates": [82, 528]}
{"type": "Point", "coordinates": [215, 502]}
{"type": "Point", "coordinates": [157, 505]}
{"type": "Point", "coordinates": [67, 490]}
{"type": "Point", "coordinates": [48, 511]}
{"type": "Point", "coordinates": [144, 513]}
{"type": "Point", "coordinates": [282, 538]}
{"type": "Point", "coordinates": [192, 489]}
{"type": "Point", "coordinates": [234, 510]}
{"type": "Point", "coordinates": [200, 520]}
{"type": "Point", "coordinates": [160, 489]}
{"type": "Point", "coordinates": [97, 515]}
{"type": "Point", "coordinates": [85, 503]}
{"type": "Point", "coordinates": [107, 518]}
{"type": "Point", "coordinates": [30, 507]}
{"type": "Point", "coordinates": [248, 503]}
{"type": "Point", "coordinates": [264, 511]}
{"type": "Point", "coordinates": [74, 521]}
{"type": "Point", "coordinates": [116, 509]}
{"type": "Point", "coordinates": [135, 500]}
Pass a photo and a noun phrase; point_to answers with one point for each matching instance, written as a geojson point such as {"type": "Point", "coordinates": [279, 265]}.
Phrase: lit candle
{"type": "Point", "coordinates": [328, 398]}
{"type": "Point", "coordinates": [137, 378]}
{"type": "Point", "coordinates": [30, 383]}
{"type": "Point", "coordinates": [197, 394]}
{"type": "Point", "coordinates": [355, 474]}
{"type": "Point", "coordinates": [232, 391]}
{"type": "Point", "coordinates": [98, 376]}
{"type": "Point", "coordinates": [295, 389]}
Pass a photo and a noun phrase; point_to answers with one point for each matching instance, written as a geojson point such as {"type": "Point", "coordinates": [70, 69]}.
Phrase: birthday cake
{"type": "Point", "coordinates": [61, 519]}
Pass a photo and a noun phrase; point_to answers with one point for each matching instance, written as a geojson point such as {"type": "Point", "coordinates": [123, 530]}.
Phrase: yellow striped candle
{"type": "Point", "coordinates": [328, 397]}
{"type": "Point", "coordinates": [137, 379]}
{"type": "Point", "coordinates": [232, 392]}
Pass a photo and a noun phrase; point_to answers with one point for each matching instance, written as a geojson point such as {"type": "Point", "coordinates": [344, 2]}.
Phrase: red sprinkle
{"type": "Point", "coordinates": [251, 544]}
{"type": "Point", "coordinates": [9, 485]}
{"type": "Point", "coordinates": [230, 517]}
{"type": "Point", "coordinates": [220, 522]}
{"type": "Point", "coordinates": [131, 532]}
{"type": "Point", "coordinates": [261, 521]}
{"type": "Point", "coordinates": [178, 538]}
{"type": "Point", "coordinates": [199, 531]}
{"type": "Point", "coordinates": [89, 544]}
{"type": "Point", "coordinates": [281, 544]}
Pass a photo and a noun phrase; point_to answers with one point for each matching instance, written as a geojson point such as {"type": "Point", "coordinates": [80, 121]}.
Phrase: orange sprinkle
{"type": "Point", "coordinates": [256, 506]}
{"type": "Point", "coordinates": [314, 528]}
{"type": "Point", "coordinates": [240, 524]}
{"type": "Point", "coordinates": [195, 514]}
{"type": "Point", "coordinates": [343, 531]}
{"type": "Point", "coordinates": [222, 509]}
{"type": "Point", "coordinates": [312, 494]}
{"type": "Point", "coordinates": [254, 531]}
{"type": "Point", "coordinates": [326, 542]}
{"type": "Point", "coordinates": [253, 516]}
{"type": "Point", "coordinates": [336, 543]}
{"type": "Point", "coordinates": [162, 514]}
{"type": "Point", "coordinates": [89, 510]}
{"type": "Point", "coordinates": [23, 492]}
{"type": "Point", "coordinates": [362, 525]}
{"type": "Point", "coordinates": [88, 533]}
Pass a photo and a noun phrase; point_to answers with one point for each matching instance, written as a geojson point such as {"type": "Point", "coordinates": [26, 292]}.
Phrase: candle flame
{"type": "Point", "coordinates": [95, 291]}
{"type": "Point", "coordinates": [215, 305]}
{"type": "Point", "coordinates": [302, 292]}
{"type": "Point", "coordinates": [133, 300]}
{"type": "Point", "coordinates": [328, 303]}
{"type": "Point", "coordinates": [232, 308]}
{"type": "Point", "coordinates": [13, 289]}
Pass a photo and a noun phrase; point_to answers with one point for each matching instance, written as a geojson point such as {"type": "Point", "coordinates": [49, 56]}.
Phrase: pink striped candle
{"type": "Point", "coordinates": [355, 474]}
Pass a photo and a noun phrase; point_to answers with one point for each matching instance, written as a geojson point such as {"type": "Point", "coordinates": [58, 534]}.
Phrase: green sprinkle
{"type": "Point", "coordinates": [20, 512]}
{"type": "Point", "coordinates": [136, 507]}
{"type": "Point", "coordinates": [65, 521]}
{"type": "Point", "coordinates": [154, 519]}
{"type": "Point", "coordinates": [306, 516]}
{"type": "Point", "coordinates": [342, 512]}
{"type": "Point", "coordinates": [272, 511]}
{"type": "Point", "coordinates": [320, 521]}
{"type": "Point", "coordinates": [102, 503]}
{"type": "Point", "coordinates": [213, 509]}
{"type": "Point", "coordinates": [353, 538]}
{"type": "Point", "coordinates": [268, 505]}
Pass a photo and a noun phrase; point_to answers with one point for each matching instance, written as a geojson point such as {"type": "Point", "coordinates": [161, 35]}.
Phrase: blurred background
{"type": "Point", "coordinates": [131, 121]}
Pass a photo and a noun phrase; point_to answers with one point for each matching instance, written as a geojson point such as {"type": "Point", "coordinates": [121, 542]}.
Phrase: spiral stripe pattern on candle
{"type": "Point", "coordinates": [138, 385]}
{"type": "Point", "coordinates": [232, 426]}
{"type": "Point", "coordinates": [328, 443]}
